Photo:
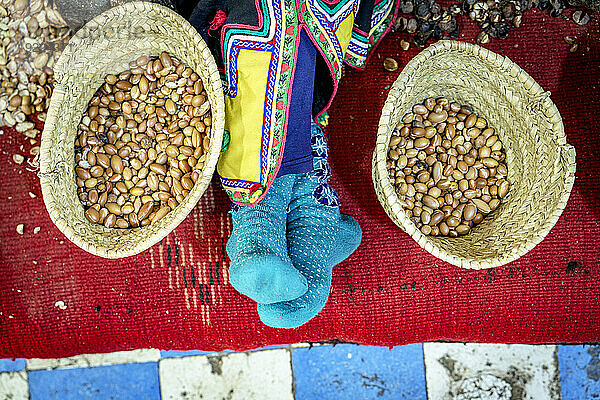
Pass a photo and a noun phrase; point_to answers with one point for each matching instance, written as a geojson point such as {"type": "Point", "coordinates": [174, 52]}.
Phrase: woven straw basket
{"type": "Point", "coordinates": [106, 45]}
{"type": "Point", "coordinates": [541, 165]}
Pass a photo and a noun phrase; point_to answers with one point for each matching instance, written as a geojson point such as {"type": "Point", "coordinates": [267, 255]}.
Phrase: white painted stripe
{"type": "Point", "coordinates": [94, 360]}
{"type": "Point", "coordinates": [261, 375]}
{"type": "Point", "coordinates": [304, 344]}
{"type": "Point", "coordinates": [14, 385]}
{"type": "Point", "coordinates": [491, 371]}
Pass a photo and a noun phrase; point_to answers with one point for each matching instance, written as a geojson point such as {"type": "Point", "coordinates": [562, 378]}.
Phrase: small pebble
{"type": "Point", "coordinates": [20, 229]}
{"type": "Point", "coordinates": [18, 158]}
{"type": "Point", "coordinates": [36, 230]}
{"type": "Point", "coordinates": [60, 304]}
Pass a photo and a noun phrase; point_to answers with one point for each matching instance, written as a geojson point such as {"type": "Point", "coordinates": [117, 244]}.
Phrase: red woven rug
{"type": "Point", "coordinates": [176, 295]}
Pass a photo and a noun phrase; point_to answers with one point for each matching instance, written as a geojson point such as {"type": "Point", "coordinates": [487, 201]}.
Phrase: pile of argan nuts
{"type": "Point", "coordinates": [142, 142]}
{"type": "Point", "coordinates": [447, 166]}
{"type": "Point", "coordinates": [424, 20]}
{"type": "Point", "coordinates": [32, 36]}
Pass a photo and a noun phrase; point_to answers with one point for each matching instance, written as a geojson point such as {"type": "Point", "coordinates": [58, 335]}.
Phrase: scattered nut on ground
{"type": "Point", "coordinates": [390, 64]}
{"type": "Point", "coordinates": [18, 158]}
{"type": "Point", "coordinates": [31, 133]}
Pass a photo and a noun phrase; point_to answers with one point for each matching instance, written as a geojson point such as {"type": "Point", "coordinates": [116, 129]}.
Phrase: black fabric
{"type": "Point", "coordinates": [323, 86]}
{"type": "Point", "coordinates": [364, 15]}
{"type": "Point", "coordinates": [201, 13]}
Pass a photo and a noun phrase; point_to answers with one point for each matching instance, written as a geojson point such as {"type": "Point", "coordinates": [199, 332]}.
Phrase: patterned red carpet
{"type": "Point", "coordinates": [176, 295]}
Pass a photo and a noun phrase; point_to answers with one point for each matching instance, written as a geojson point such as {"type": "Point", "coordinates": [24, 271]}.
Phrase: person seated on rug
{"type": "Point", "coordinates": [281, 62]}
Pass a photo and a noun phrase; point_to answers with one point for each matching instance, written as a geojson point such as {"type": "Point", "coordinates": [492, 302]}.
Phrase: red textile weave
{"type": "Point", "coordinates": [390, 292]}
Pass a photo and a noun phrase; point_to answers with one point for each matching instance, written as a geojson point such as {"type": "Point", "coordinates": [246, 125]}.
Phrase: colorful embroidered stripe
{"type": "Point", "coordinates": [380, 12]}
{"type": "Point", "coordinates": [235, 37]}
{"type": "Point", "coordinates": [275, 105]}
{"type": "Point", "coordinates": [330, 22]}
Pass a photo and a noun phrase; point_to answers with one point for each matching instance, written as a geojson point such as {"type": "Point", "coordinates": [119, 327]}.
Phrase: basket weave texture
{"type": "Point", "coordinates": [106, 45]}
{"type": "Point", "coordinates": [541, 164]}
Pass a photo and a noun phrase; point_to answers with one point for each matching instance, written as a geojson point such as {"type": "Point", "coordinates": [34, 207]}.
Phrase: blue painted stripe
{"type": "Point", "coordinates": [189, 353]}
{"type": "Point", "coordinates": [9, 365]}
{"type": "Point", "coordinates": [177, 353]}
{"type": "Point", "coordinates": [273, 346]}
{"type": "Point", "coordinates": [123, 382]}
{"type": "Point", "coordinates": [579, 371]}
{"type": "Point", "coordinates": [359, 372]}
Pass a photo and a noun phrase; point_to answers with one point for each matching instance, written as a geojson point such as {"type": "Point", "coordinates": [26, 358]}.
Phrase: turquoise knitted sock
{"type": "Point", "coordinates": [319, 237]}
{"type": "Point", "coordinates": [260, 266]}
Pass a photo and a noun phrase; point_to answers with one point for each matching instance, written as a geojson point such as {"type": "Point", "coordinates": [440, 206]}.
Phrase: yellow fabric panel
{"type": "Point", "coordinates": [344, 32]}
{"type": "Point", "coordinates": [244, 118]}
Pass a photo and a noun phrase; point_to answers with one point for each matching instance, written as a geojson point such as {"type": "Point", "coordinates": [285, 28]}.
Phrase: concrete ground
{"type": "Point", "coordinates": [315, 371]}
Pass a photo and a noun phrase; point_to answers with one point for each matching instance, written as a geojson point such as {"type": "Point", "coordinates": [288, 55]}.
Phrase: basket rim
{"type": "Point", "coordinates": [386, 193]}
{"type": "Point", "coordinates": [51, 171]}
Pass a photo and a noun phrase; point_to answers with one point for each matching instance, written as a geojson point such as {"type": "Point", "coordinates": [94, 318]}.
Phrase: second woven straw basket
{"type": "Point", "coordinates": [106, 45]}
{"type": "Point", "coordinates": [541, 165]}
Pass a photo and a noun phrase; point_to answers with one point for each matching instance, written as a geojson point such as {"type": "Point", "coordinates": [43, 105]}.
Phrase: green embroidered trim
{"type": "Point", "coordinates": [280, 102]}
{"type": "Point", "coordinates": [357, 62]}
{"type": "Point", "coordinates": [358, 37]}
{"type": "Point", "coordinates": [326, 49]}
{"type": "Point", "coordinates": [226, 138]}
{"type": "Point", "coordinates": [381, 5]}
{"type": "Point", "coordinates": [327, 6]}
{"type": "Point", "coordinates": [323, 119]}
